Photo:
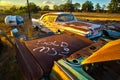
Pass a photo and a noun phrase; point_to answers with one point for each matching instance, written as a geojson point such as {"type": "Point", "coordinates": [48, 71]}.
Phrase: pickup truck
{"type": "Point", "coordinates": [62, 21]}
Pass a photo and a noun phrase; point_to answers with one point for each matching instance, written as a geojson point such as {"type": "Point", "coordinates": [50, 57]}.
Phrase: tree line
{"type": "Point", "coordinates": [112, 7]}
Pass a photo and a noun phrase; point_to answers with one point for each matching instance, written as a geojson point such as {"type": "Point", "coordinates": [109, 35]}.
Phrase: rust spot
{"type": "Point", "coordinates": [78, 25]}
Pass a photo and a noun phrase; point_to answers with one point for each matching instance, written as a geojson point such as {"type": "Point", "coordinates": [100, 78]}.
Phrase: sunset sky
{"type": "Point", "coordinates": [8, 3]}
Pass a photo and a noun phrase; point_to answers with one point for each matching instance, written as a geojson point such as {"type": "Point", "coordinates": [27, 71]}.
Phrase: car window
{"type": "Point", "coordinates": [45, 18]}
{"type": "Point", "coordinates": [65, 18]}
{"type": "Point", "coordinates": [52, 18]}
{"type": "Point", "coordinates": [49, 18]}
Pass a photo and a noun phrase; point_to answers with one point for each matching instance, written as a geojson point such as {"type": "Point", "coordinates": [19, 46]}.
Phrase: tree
{"type": "Point", "coordinates": [103, 8]}
{"type": "Point", "coordinates": [56, 8]}
{"type": "Point", "coordinates": [46, 8]}
{"type": "Point", "coordinates": [69, 1]}
{"type": "Point", "coordinates": [87, 6]}
{"type": "Point", "coordinates": [22, 9]}
{"type": "Point", "coordinates": [13, 8]}
{"type": "Point", "coordinates": [33, 7]}
{"type": "Point", "coordinates": [61, 7]}
{"type": "Point", "coordinates": [76, 6]}
{"type": "Point", "coordinates": [114, 6]}
{"type": "Point", "coordinates": [68, 7]}
{"type": "Point", "coordinates": [97, 7]}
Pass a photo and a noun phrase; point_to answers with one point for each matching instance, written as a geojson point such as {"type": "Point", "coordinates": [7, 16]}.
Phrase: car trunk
{"type": "Point", "coordinates": [36, 57]}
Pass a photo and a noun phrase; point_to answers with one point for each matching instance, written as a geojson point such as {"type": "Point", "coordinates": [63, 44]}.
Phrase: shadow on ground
{"type": "Point", "coordinates": [9, 69]}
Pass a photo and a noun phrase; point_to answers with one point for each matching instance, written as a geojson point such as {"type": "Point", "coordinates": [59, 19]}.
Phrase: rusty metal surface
{"type": "Point", "coordinates": [47, 50]}
{"type": "Point", "coordinates": [109, 52]}
{"type": "Point", "coordinates": [30, 68]}
{"type": "Point", "coordinates": [78, 25]}
{"type": "Point", "coordinates": [87, 51]}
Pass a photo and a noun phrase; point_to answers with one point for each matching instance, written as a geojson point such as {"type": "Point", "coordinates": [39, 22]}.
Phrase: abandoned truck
{"type": "Point", "coordinates": [61, 21]}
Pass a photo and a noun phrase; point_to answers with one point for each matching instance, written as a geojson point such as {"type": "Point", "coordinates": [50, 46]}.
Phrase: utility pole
{"type": "Point", "coordinates": [28, 7]}
{"type": "Point", "coordinates": [29, 22]}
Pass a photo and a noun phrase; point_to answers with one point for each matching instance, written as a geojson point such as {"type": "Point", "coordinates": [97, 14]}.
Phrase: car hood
{"type": "Point", "coordinates": [80, 25]}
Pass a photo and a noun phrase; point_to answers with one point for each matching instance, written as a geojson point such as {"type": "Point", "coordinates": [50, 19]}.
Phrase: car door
{"type": "Point", "coordinates": [49, 22]}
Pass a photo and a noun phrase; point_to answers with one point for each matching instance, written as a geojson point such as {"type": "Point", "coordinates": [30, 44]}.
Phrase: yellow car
{"type": "Point", "coordinates": [60, 21]}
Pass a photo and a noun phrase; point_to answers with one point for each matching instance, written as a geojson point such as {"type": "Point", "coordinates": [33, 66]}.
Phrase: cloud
{"type": "Point", "coordinates": [49, 3]}
{"type": "Point", "coordinates": [4, 4]}
{"type": "Point", "coordinates": [8, 4]}
{"type": "Point", "coordinates": [64, 0]}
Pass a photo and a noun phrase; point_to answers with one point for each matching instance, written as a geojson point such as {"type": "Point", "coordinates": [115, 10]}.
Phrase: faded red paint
{"type": "Point", "coordinates": [78, 25]}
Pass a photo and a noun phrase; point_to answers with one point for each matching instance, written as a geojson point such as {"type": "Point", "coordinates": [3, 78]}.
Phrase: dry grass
{"type": "Point", "coordinates": [9, 70]}
{"type": "Point", "coordinates": [90, 16]}
{"type": "Point", "coordinates": [97, 16]}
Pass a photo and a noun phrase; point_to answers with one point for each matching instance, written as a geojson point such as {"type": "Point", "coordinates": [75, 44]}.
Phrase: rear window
{"type": "Point", "coordinates": [65, 18]}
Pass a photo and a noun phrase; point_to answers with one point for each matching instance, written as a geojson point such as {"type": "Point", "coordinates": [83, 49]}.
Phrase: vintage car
{"type": "Point", "coordinates": [36, 57]}
{"type": "Point", "coordinates": [112, 34]}
{"type": "Point", "coordinates": [112, 31]}
{"type": "Point", "coordinates": [68, 57]}
{"type": "Point", "coordinates": [14, 20]}
{"type": "Point", "coordinates": [58, 22]}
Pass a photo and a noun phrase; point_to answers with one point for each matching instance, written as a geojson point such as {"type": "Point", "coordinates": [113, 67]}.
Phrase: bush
{"type": "Point", "coordinates": [1, 20]}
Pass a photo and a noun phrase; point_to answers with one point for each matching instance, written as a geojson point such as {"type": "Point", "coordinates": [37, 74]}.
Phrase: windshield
{"type": "Point", "coordinates": [65, 18]}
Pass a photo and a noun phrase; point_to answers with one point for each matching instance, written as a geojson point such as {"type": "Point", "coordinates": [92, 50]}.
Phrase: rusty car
{"type": "Point", "coordinates": [61, 21]}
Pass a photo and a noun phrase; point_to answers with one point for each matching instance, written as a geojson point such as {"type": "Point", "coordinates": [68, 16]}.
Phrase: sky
{"type": "Point", "coordinates": [8, 3]}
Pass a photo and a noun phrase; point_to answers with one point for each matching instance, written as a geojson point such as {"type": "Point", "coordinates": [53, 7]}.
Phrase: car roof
{"type": "Point", "coordinates": [58, 13]}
